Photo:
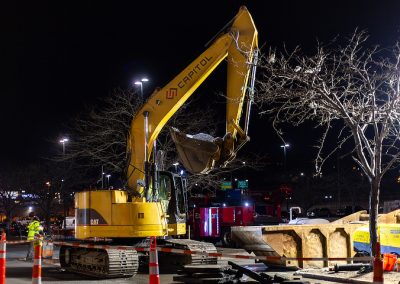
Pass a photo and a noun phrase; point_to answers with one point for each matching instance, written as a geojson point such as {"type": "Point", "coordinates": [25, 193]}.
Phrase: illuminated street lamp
{"type": "Point", "coordinates": [140, 83]}
{"type": "Point", "coordinates": [176, 166]}
{"type": "Point", "coordinates": [108, 180]}
{"type": "Point", "coordinates": [284, 146]}
{"type": "Point", "coordinates": [63, 141]}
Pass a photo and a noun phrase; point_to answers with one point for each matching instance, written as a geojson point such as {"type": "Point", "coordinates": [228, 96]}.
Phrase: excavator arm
{"type": "Point", "coordinates": [239, 46]}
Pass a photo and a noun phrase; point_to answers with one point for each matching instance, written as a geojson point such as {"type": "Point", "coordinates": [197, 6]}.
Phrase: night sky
{"type": "Point", "coordinates": [57, 58]}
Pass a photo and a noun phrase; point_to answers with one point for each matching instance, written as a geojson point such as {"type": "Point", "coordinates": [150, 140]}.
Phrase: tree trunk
{"type": "Point", "coordinates": [373, 213]}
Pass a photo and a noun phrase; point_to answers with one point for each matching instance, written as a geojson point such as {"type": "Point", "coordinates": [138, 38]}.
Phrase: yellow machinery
{"type": "Point", "coordinates": [156, 204]}
{"type": "Point", "coordinates": [389, 235]}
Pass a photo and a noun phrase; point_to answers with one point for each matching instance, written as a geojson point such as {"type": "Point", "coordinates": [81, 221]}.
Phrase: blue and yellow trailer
{"type": "Point", "coordinates": [389, 235]}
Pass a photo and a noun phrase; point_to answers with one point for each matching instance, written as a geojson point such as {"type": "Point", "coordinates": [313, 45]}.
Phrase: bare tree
{"type": "Point", "coordinates": [43, 183]}
{"type": "Point", "coordinates": [9, 191]}
{"type": "Point", "coordinates": [351, 92]}
{"type": "Point", "coordinates": [99, 138]}
{"type": "Point", "coordinates": [212, 181]}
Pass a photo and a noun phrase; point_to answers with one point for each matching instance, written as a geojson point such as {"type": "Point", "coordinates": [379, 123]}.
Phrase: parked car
{"type": "Point", "coordinates": [18, 229]}
{"type": "Point", "coordinates": [347, 210]}
{"type": "Point", "coordinates": [15, 229]}
{"type": "Point", "coordinates": [319, 212]}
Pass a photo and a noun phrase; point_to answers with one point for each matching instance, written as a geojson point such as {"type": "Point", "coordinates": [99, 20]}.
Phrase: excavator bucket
{"type": "Point", "coordinates": [198, 153]}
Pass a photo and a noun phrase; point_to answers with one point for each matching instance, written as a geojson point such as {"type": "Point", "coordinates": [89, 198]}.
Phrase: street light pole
{"type": "Point", "coordinates": [141, 88]}
{"type": "Point", "coordinates": [176, 166]}
{"type": "Point", "coordinates": [108, 180]}
{"type": "Point", "coordinates": [62, 191]}
{"type": "Point", "coordinates": [140, 83]}
{"type": "Point", "coordinates": [63, 141]}
{"type": "Point", "coordinates": [102, 177]}
{"type": "Point", "coordinates": [284, 146]}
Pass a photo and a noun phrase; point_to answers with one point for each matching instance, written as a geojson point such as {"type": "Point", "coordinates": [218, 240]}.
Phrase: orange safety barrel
{"type": "Point", "coordinates": [389, 261]}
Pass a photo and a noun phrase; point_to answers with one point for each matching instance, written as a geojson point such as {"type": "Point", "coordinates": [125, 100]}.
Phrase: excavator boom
{"type": "Point", "coordinates": [239, 47]}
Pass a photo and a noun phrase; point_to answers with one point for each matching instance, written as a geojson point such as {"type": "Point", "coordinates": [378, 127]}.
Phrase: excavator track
{"type": "Point", "coordinates": [99, 263]}
{"type": "Point", "coordinates": [173, 261]}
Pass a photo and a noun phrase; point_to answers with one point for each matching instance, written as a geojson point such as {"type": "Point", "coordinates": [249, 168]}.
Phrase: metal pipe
{"type": "Point", "coordinates": [146, 135]}
{"type": "Point", "coordinates": [251, 90]}
{"type": "Point", "coordinates": [146, 155]}
{"type": "Point", "coordinates": [351, 267]}
{"type": "Point", "coordinates": [155, 173]}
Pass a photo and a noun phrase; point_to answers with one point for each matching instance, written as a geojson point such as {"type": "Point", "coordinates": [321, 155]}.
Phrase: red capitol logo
{"type": "Point", "coordinates": [171, 93]}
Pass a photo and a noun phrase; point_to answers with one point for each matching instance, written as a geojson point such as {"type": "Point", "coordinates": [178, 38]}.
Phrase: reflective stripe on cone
{"type": "Point", "coordinates": [154, 275]}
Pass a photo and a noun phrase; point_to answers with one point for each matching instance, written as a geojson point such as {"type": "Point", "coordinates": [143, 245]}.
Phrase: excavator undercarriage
{"type": "Point", "coordinates": [100, 263]}
{"type": "Point", "coordinates": [118, 263]}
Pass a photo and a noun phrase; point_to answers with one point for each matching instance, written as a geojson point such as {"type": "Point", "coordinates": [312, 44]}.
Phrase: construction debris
{"type": "Point", "coordinates": [351, 267]}
{"type": "Point", "coordinates": [231, 273]}
{"type": "Point", "coordinates": [211, 273]}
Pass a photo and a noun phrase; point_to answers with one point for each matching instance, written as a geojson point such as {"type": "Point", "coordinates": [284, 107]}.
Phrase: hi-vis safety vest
{"type": "Point", "coordinates": [34, 228]}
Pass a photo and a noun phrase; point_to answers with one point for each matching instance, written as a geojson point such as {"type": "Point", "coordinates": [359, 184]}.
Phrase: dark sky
{"type": "Point", "coordinates": [56, 58]}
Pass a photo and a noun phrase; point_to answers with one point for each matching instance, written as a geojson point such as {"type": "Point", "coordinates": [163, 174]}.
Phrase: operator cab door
{"type": "Point", "coordinates": [172, 193]}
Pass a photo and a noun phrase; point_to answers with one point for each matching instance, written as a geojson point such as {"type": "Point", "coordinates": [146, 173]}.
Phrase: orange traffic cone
{"type": "Point", "coordinates": [37, 263]}
{"type": "Point", "coordinates": [3, 258]}
{"type": "Point", "coordinates": [378, 265]}
{"type": "Point", "coordinates": [154, 274]}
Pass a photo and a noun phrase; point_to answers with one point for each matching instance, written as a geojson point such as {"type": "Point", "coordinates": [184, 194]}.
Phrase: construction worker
{"type": "Point", "coordinates": [35, 229]}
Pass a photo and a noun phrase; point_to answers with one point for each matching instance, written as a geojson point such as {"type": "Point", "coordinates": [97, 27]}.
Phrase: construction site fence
{"type": "Point", "coordinates": [215, 254]}
{"type": "Point", "coordinates": [209, 254]}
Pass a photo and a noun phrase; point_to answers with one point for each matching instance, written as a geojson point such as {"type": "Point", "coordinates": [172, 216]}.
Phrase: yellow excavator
{"type": "Point", "coordinates": [156, 203]}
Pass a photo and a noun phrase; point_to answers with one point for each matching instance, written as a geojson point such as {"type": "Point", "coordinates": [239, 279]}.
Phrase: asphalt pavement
{"type": "Point", "coordinates": [19, 271]}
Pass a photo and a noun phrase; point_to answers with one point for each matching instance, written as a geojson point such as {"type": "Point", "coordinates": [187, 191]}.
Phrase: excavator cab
{"type": "Point", "coordinates": [173, 197]}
